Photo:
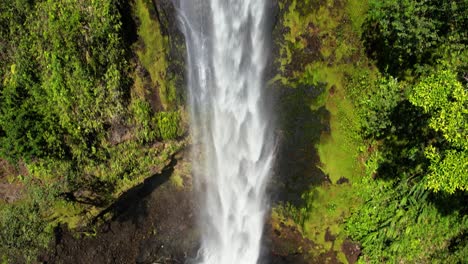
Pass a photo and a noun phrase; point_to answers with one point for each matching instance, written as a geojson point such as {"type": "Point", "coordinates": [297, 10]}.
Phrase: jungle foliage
{"type": "Point", "coordinates": [416, 127]}
{"type": "Point", "coordinates": [74, 111]}
{"type": "Point", "coordinates": [404, 35]}
{"type": "Point", "coordinates": [395, 78]}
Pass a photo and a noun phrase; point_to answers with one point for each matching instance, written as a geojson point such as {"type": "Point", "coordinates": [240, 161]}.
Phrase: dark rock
{"type": "Point", "coordinates": [151, 223]}
{"type": "Point", "coordinates": [332, 90]}
{"type": "Point", "coordinates": [342, 180]}
{"type": "Point", "coordinates": [277, 232]}
{"type": "Point", "coordinates": [329, 236]}
{"type": "Point", "coordinates": [351, 250]}
{"type": "Point", "coordinates": [287, 245]}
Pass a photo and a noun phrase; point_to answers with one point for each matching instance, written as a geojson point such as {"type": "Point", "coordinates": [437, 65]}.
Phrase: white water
{"type": "Point", "coordinates": [233, 142]}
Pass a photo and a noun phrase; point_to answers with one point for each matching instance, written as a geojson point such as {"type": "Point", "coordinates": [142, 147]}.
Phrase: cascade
{"type": "Point", "coordinates": [232, 135]}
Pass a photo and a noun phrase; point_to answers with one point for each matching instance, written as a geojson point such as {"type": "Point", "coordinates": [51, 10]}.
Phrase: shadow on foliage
{"type": "Point", "coordinates": [378, 49]}
{"type": "Point", "coordinates": [151, 223]}
{"type": "Point", "coordinates": [131, 205]}
{"type": "Point", "coordinates": [129, 27]}
{"type": "Point", "coordinates": [403, 152]}
{"type": "Point", "coordinates": [447, 204]}
{"type": "Point", "coordinates": [300, 129]}
{"type": "Point", "coordinates": [404, 143]}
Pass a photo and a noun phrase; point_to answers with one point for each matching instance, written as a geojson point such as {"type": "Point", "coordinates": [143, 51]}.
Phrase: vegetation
{"type": "Point", "coordinates": [414, 209]}
{"type": "Point", "coordinates": [397, 131]}
{"type": "Point", "coordinates": [27, 231]}
{"type": "Point", "coordinates": [404, 35]}
{"type": "Point", "coordinates": [318, 55]}
{"type": "Point", "coordinates": [79, 111]}
{"type": "Point", "coordinates": [373, 114]}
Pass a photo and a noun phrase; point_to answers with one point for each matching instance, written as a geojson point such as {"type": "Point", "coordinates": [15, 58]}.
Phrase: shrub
{"type": "Point", "coordinates": [168, 125]}
{"type": "Point", "coordinates": [407, 33]}
{"type": "Point", "coordinates": [376, 106]}
{"type": "Point", "coordinates": [23, 232]}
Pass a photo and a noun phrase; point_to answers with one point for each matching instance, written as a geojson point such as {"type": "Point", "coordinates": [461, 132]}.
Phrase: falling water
{"type": "Point", "coordinates": [226, 57]}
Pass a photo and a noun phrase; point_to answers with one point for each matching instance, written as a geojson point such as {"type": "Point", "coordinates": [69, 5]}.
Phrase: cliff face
{"type": "Point", "coordinates": [316, 49]}
{"type": "Point", "coordinates": [170, 27]}
{"type": "Point", "coordinates": [152, 221]}
{"type": "Point", "coordinates": [92, 105]}
{"type": "Point", "coordinates": [158, 54]}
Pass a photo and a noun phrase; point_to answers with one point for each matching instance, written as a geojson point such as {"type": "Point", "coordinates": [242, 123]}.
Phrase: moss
{"type": "Point", "coordinates": [153, 51]}
{"type": "Point", "coordinates": [127, 165]}
{"type": "Point", "coordinates": [356, 10]}
{"type": "Point", "coordinates": [181, 175]}
{"type": "Point", "coordinates": [339, 54]}
{"type": "Point", "coordinates": [177, 180]}
{"type": "Point", "coordinates": [139, 87]}
{"type": "Point", "coordinates": [339, 149]}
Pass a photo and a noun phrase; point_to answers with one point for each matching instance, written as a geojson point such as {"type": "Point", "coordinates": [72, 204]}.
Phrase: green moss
{"type": "Point", "coordinates": [341, 55]}
{"type": "Point", "coordinates": [139, 87]}
{"type": "Point", "coordinates": [153, 51]}
{"type": "Point", "coordinates": [339, 150]}
{"type": "Point", "coordinates": [177, 180]}
{"type": "Point", "coordinates": [181, 173]}
{"type": "Point", "coordinates": [130, 164]}
{"type": "Point", "coordinates": [326, 208]}
{"type": "Point", "coordinates": [356, 10]}
{"type": "Point", "coordinates": [127, 165]}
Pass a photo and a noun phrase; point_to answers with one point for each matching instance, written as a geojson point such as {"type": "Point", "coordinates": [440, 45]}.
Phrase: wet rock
{"type": "Point", "coordinates": [285, 244]}
{"type": "Point", "coordinates": [170, 26]}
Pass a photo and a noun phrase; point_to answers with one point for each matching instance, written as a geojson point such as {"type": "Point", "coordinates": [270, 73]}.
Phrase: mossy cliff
{"type": "Point", "coordinates": [92, 105]}
{"type": "Point", "coordinates": [356, 158]}
{"type": "Point", "coordinates": [318, 49]}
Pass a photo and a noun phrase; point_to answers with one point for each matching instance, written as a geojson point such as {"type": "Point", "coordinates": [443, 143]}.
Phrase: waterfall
{"type": "Point", "coordinates": [233, 139]}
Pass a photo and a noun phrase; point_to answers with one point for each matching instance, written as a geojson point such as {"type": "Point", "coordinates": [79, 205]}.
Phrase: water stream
{"type": "Point", "coordinates": [233, 139]}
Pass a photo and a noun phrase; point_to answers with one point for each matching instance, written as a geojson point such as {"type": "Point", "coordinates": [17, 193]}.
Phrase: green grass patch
{"type": "Point", "coordinates": [339, 149]}
{"type": "Point", "coordinates": [327, 209]}
{"type": "Point", "coordinates": [181, 173]}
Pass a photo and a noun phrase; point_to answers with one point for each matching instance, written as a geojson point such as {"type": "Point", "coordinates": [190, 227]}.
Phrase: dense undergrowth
{"type": "Point", "coordinates": [392, 75]}
{"type": "Point", "coordinates": [84, 109]}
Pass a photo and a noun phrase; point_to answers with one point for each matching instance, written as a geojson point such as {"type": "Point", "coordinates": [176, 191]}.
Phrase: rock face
{"type": "Point", "coordinates": [10, 192]}
{"type": "Point", "coordinates": [152, 223]}
{"type": "Point", "coordinates": [168, 18]}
